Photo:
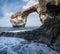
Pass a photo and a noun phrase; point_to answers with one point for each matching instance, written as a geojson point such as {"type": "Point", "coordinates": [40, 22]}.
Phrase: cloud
{"type": "Point", "coordinates": [7, 11]}
{"type": "Point", "coordinates": [10, 7]}
{"type": "Point", "coordinates": [30, 3]}
{"type": "Point", "coordinates": [25, 0]}
{"type": "Point", "coordinates": [5, 21]}
{"type": "Point", "coordinates": [33, 20]}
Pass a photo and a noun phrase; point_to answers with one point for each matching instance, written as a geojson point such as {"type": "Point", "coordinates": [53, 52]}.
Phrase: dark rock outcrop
{"type": "Point", "coordinates": [1, 32]}
{"type": "Point", "coordinates": [48, 33]}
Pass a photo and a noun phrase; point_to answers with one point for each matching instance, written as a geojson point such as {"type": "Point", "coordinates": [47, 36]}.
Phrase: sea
{"type": "Point", "coordinates": [7, 29]}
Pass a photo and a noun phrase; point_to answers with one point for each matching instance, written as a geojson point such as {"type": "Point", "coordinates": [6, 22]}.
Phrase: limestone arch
{"type": "Point", "coordinates": [24, 14]}
{"type": "Point", "coordinates": [39, 8]}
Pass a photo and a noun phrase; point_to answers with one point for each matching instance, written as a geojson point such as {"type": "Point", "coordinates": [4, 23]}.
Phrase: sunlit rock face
{"type": "Point", "coordinates": [18, 21]}
{"type": "Point", "coordinates": [1, 32]}
{"type": "Point", "coordinates": [20, 18]}
{"type": "Point", "coordinates": [48, 8]}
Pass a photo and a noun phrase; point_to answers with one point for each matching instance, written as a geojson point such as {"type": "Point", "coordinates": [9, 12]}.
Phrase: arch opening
{"type": "Point", "coordinates": [33, 20]}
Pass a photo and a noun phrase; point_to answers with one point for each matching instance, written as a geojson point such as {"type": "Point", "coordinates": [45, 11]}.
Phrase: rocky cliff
{"type": "Point", "coordinates": [48, 33]}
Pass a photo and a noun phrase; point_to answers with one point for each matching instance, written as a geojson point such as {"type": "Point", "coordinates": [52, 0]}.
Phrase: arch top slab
{"type": "Point", "coordinates": [21, 17]}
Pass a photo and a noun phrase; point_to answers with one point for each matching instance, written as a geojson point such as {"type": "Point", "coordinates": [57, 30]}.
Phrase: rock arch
{"type": "Point", "coordinates": [23, 14]}
{"type": "Point", "coordinates": [39, 8]}
{"type": "Point", "coordinates": [33, 20]}
{"type": "Point", "coordinates": [49, 31]}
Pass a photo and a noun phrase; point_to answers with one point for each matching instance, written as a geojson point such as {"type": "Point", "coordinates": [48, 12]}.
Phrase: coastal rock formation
{"type": "Point", "coordinates": [20, 18]}
{"type": "Point", "coordinates": [18, 21]}
{"type": "Point", "coordinates": [49, 32]}
{"type": "Point", "coordinates": [1, 32]}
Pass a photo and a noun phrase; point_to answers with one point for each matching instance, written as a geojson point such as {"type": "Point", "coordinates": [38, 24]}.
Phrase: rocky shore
{"type": "Point", "coordinates": [48, 33]}
{"type": "Point", "coordinates": [1, 32]}
{"type": "Point", "coordinates": [10, 45]}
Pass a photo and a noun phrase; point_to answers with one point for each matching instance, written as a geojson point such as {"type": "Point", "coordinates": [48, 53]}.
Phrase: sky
{"type": "Point", "coordinates": [9, 7]}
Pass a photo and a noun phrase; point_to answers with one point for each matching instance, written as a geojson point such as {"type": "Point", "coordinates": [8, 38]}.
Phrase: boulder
{"type": "Point", "coordinates": [1, 31]}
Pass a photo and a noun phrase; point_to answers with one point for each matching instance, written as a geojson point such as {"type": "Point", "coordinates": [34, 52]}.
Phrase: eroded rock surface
{"type": "Point", "coordinates": [21, 46]}
{"type": "Point", "coordinates": [1, 32]}
{"type": "Point", "coordinates": [49, 32]}
{"type": "Point", "coordinates": [20, 18]}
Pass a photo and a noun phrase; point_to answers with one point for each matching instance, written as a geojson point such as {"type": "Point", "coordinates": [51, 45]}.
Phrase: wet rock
{"type": "Point", "coordinates": [48, 33]}
{"type": "Point", "coordinates": [10, 45]}
{"type": "Point", "coordinates": [1, 32]}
